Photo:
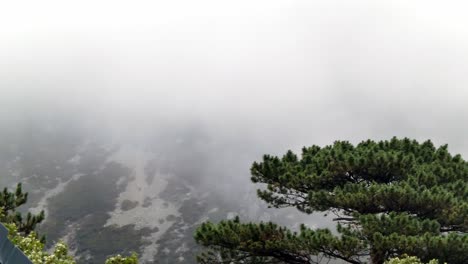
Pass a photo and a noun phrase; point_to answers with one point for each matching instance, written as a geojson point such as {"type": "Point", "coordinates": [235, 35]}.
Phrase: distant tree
{"type": "Point", "coordinates": [10, 201]}
{"type": "Point", "coordinates": [390, 198]}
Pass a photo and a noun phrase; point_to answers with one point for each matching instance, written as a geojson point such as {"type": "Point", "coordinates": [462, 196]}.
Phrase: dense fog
{"type": "Point", "coordinates": [216, 84]}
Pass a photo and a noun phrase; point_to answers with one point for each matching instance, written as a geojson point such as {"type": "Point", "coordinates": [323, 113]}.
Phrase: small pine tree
{"type": "Point", "coordinates": [10, 201]}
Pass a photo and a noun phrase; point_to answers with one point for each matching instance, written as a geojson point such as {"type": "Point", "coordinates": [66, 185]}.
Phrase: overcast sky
{"type": "Point", "coordinates": [283, 73]}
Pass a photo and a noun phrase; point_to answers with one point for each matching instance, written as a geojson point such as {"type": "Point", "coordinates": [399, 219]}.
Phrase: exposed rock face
{"type": "Point", "coordinates": [104, 199]}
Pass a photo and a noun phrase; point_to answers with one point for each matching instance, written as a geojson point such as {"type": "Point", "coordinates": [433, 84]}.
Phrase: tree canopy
{"type": "Point", "coordinates": [390, 198]}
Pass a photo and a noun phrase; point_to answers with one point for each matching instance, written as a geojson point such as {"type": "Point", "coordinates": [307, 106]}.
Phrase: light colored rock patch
{"type": "Point", "coordinates": [137, 190]}
{"type": "Point", "coordinates": [75, 160]}
{"type": "Point", "coordinates": [42, 204]}
{"type": "Point", "coordinates": [214, 210]}
{"type": "Point", "coordinates": [231, 215]}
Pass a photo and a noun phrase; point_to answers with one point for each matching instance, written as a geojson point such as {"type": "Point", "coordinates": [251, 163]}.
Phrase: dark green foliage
{"type": "Point", "coordinates": [9, 202]}
{"type": "Point", "coordinates": [269, 243]}
{"type": "Point", "coordinates": [389, 197]}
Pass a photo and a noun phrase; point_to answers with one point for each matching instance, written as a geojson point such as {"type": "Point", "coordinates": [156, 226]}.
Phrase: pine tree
{"type": "Point", "coordinates": [9, 202]}
{"type": "Point", "coordinates": [390, 198]}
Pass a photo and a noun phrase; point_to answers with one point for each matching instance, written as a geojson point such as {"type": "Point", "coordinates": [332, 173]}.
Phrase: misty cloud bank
{"type": "Point", "coordinates": [236, 80]}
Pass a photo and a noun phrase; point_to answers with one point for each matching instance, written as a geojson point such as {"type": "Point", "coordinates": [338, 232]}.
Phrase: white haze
{"type": "Point", "coordinates": [256, 76]}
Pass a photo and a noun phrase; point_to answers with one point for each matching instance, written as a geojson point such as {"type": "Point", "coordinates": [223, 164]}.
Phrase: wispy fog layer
{"type": "Point", "coordinates": [243, 77]}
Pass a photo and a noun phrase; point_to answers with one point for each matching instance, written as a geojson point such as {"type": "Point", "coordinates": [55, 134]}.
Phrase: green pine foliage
{"type": "Point", "coordinates": [390, 198]}
{"type": "Point", "coordinates": [9, 202]}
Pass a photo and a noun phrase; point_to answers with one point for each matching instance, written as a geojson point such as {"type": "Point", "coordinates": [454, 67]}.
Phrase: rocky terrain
{"type": "Point", "coordinates": [105, 198]}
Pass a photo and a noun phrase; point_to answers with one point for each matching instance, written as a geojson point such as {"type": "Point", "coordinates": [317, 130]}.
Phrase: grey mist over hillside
{"type": "Point", "coordinates": [132, 123]}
